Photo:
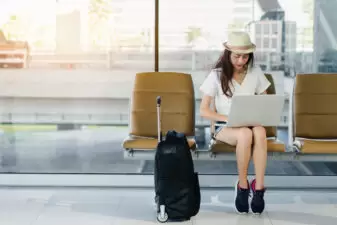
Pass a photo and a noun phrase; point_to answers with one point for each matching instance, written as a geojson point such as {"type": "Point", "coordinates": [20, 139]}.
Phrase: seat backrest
{"type": "Point", "coordinates": [177, 105]}
{"type": "Point", "coordinates": [271, 131]}
{"type": "Point", "coordinates": [315, 106]}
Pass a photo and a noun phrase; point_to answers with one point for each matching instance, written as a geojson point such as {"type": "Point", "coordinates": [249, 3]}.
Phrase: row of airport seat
{"type": "Point", "coordinates": [313, 119]}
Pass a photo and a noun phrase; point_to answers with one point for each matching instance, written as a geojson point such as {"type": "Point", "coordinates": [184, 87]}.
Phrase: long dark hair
{"type": "Point", "coordinates": [226, 74]}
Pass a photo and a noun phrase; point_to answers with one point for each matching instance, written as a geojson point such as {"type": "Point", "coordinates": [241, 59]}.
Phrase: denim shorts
{"type": "Point", "coordinates": [217, 128]}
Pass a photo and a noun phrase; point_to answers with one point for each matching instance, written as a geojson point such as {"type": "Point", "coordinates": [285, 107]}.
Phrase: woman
{"type": "Point", "coordinates": [234, 74]}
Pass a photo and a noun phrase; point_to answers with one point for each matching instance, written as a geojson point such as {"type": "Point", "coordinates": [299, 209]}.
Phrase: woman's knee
{"type": "Point", "coordinates": [245, 136]}
{"type": "Point", "coordinates": [259, 134]}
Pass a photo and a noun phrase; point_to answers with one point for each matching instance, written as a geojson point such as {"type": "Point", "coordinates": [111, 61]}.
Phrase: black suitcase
{"type": "Point", "coordinates": [177, 187]}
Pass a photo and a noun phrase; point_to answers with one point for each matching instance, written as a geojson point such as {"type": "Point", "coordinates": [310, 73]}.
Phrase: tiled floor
{"type": "Point", "coordinates": [130, 206]}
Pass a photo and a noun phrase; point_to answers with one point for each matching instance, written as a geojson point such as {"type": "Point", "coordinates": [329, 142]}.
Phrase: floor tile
{"type": "Point", "coordinates": [19, 213]}
{"type": "Point", "coordinates": [230, 218]}
{"type": "Point", "coordinates": [136, 206]}
{"type": "Point", "coordinates": [303, 214]}
{"type": "Point", "coordinates": [125, 221]}
{"type": "Point", "coordinates": [65, 215]}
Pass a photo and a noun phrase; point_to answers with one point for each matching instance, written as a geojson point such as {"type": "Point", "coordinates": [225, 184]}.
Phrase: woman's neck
{"type": "Point", "coordinates": [239, 75]}
{"type": "Point", "coordinates": [238, 72]}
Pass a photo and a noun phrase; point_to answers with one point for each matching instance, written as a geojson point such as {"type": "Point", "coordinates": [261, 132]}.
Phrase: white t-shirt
{"type": "Point", "coordinates": [255, 82]}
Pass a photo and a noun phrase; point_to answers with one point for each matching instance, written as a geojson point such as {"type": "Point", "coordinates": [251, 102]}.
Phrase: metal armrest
{"type": "Point", "coordinates": [212, 127]}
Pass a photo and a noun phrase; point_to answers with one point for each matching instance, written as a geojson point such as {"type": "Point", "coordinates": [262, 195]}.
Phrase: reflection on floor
{"type": "Point", "coordinates": [98, 150]}
{"type": "Point", "coordinates": [135, 206]}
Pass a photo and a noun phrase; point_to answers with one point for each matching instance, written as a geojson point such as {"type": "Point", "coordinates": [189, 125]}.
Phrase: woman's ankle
{"type": "Point", "coordinates": [243, 184]}
{"type": "Point", "coordinates": [259, 185]}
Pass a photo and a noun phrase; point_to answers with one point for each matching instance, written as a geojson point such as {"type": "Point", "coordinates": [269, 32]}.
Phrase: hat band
{"type": "Point", "coordinates": [246, 47]}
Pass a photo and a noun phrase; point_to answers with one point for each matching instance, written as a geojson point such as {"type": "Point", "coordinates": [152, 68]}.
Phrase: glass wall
{"type": "Point", "coordinates": [67, 111]}
{"type": "Point", "coordinates": [64, 94]}
{"type": "Point", "coordinates": [191, 37]}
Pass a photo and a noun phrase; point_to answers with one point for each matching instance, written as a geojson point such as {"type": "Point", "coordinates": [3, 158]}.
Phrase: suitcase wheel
{"type": "Point", "coordinates": [162, 215]}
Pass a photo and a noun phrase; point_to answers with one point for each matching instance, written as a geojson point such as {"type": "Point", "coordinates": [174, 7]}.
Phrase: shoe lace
{"type": "Point", "coordinates": [259, 193]}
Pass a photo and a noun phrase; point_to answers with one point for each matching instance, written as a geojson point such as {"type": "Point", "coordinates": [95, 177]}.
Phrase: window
{"type": "Point", "coordinates": [274, 28]}
{"type": "Point", "coordinates": [204, 31]}
{"type": "Point", "coordinates": [266, 43]}
{"type": "Point", "coordinates": [274, 43]}
{"type": "Point", "coordinates": [266, 28]}
{"type": "Point", "coordinates": [258, 42]}
{"type": "Point", "coordinates": [68, 112]}
{"type": "Point", "coordinates": [69, 105]}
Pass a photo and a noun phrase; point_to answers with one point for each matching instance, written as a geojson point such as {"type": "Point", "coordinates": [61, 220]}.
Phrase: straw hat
{"type": "Point", "coordinates": [239, 42]}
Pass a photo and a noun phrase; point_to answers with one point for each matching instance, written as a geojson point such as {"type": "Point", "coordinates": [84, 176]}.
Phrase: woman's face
{"type": "Point", "coordinates": [239, 60]}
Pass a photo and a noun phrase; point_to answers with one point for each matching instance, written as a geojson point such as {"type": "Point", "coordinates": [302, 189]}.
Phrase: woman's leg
{"type": "Point", "coordinates": [260, 162]}
{"type": "Point", "coordinates": [242, 139]}
{"type": "Point", "coordinates": [260, 155]}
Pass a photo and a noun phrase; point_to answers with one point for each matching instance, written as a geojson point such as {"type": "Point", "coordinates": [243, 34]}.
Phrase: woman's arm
{"type": "Point", "coordinates": [207, 112]}
{"type": "Point", "coordinates": [209, 88]}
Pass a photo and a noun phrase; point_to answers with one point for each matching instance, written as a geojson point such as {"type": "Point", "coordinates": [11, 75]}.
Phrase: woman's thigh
{"type": "Point", "coordinates": [232, 135]}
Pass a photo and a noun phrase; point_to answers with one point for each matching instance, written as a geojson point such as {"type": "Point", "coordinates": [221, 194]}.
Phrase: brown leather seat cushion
{"type": "Point", "coordinates": [138, 143]}
{"type": "Point", "coordinates": [318, 147]}
{"type": "Point", "coordinates": [273, 146]}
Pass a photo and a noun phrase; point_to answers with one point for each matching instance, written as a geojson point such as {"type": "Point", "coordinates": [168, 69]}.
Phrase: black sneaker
{"type": "Point", "coordinates": [241, 199]}
{"type": "Point", "coordinates": [257, 203]}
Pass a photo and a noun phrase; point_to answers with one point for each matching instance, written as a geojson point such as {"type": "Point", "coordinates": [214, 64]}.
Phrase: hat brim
{"type": "Point", "coordinates": [242, 50]}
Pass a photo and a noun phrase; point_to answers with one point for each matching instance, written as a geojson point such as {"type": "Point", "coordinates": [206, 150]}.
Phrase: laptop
{"type": "Point", "coordinates": [255, 110]}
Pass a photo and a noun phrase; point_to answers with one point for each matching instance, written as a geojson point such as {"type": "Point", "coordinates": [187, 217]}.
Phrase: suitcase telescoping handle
{"type": "Point", "coordinates": [158, 118]}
